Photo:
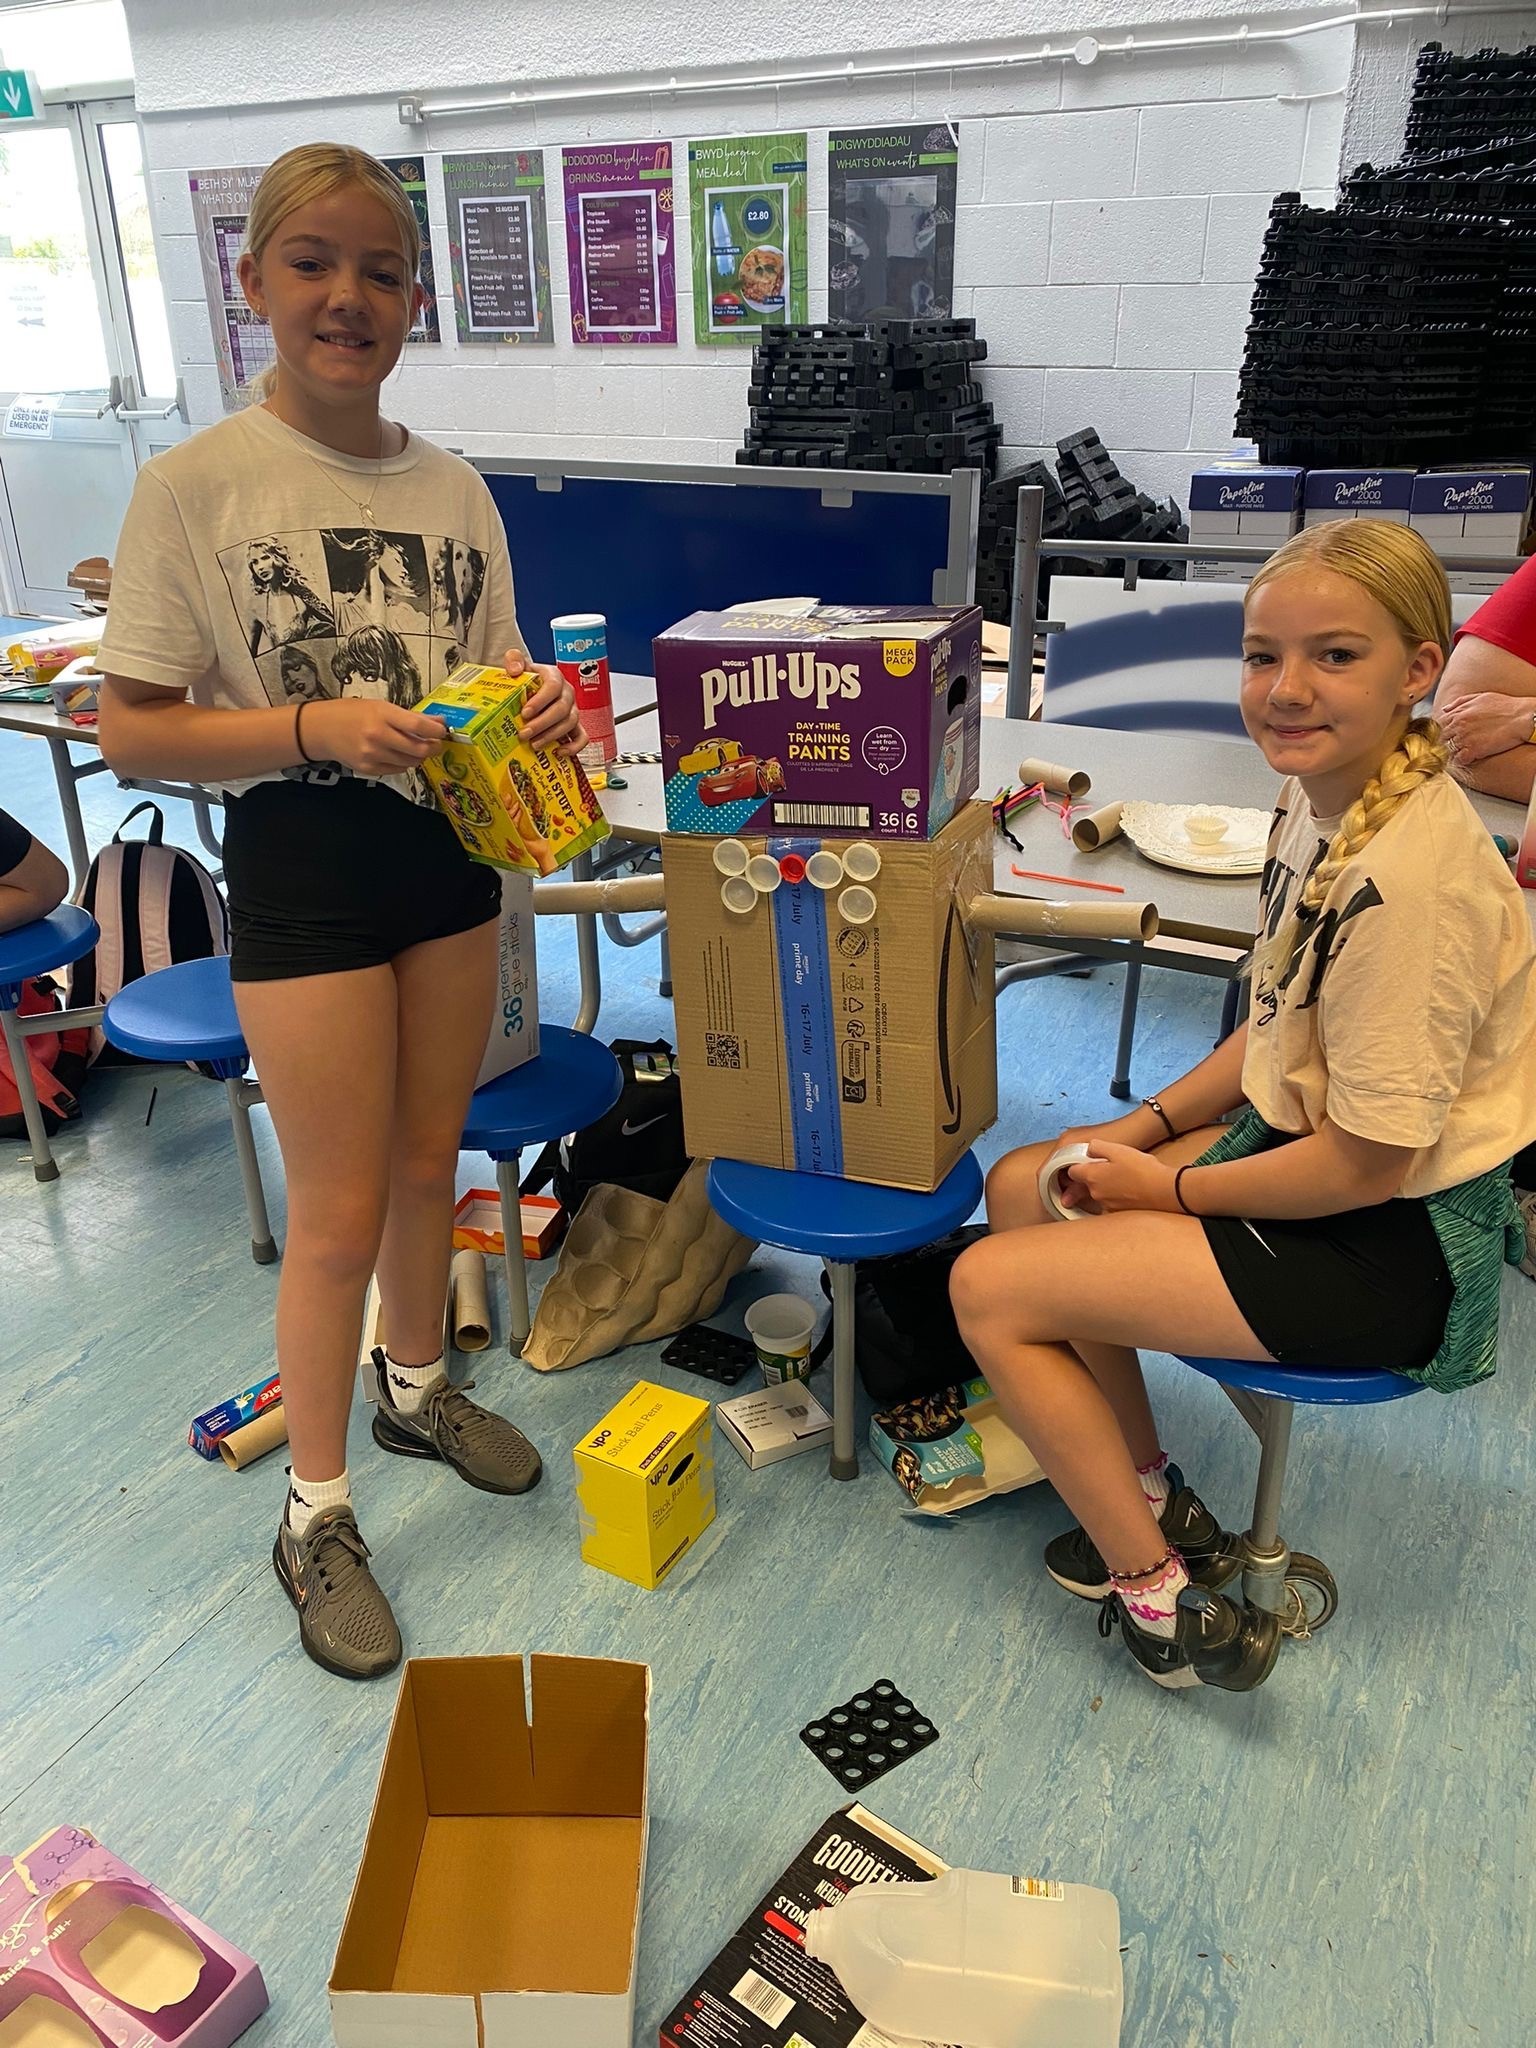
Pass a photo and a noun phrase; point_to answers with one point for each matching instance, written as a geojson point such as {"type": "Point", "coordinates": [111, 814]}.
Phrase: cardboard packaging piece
{"type": "Point", "coordinates": [850, 719]}
{"type": "Point", "coordinates": [645, 1483]}
{"type": "Point", "coordinates": [805, 1041]}
{"type": "Point", "coordinates": [514, 1033]}
{"type": "Point", "coordinates": [497, 1902]}
{"type": "Point", "coordinates": [1333, 494]}
{"type": "Point", "coordinates": [772, 1423]}
{"type": "Point", "coordinates": [763, 1990]}
{"type": "Point", "coordinates": [952, 1449]}
{"type": "Point", "coordinates": [97, 1955]}
{"type": "Point", "coordinates": [477, 1223]}
{"type": "Point", "coordinates": [512, 805]}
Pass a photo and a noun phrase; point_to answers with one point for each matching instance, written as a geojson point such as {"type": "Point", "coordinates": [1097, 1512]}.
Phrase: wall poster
{"type": "Point", "coordinates": [891, 222]}
{"type": "Point", "coordinates": [242, 340]}
{"type": "Point", "coordinates": [411, 173]}
{"type": "Point", "coordinates": [498, 243]}
{"type": "Point", "coordinates": [619, 232]}
{"type": "Point", "coordinates": [747, 201]}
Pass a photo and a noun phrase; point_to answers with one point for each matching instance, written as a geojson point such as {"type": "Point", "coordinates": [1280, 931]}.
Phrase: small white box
{"type": "Point", "coordinates": [774, 1422]}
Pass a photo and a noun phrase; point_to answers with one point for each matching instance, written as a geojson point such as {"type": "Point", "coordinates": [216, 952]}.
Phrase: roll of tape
{"type": "Point", "coordinates": [730, 857]}
{"type": "Point", "coordinates": [1052, 1181]}
{"type": "Point", "coordinates": [763, 873]}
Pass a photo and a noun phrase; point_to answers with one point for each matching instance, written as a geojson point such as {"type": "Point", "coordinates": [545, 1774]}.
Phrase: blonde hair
{"type": "Point", "coordinates": [314, 171]}
{"type": "Point", "coordinates": [1402, 572]}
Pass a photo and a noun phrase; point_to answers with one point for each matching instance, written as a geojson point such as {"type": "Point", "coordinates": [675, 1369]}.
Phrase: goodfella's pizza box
{"type": "Point", "coordinates": [763, 1990]}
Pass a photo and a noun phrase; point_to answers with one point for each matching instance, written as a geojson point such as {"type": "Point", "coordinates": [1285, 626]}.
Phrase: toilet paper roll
{"type": "Point", "coordinates": [470, 1302]}
{"type": "Point", "coordinates": [1097, 829]}
{"type": "Point", "coordinates": [1072, 782]}
{"type": "Point", "coordinates": [1052, 1181]}
{"type": "Point", "coordinates": [253, 1440]}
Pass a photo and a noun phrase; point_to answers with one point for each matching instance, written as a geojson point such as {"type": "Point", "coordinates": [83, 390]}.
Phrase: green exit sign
{"type": "Point", "coordinates": [20, 98]}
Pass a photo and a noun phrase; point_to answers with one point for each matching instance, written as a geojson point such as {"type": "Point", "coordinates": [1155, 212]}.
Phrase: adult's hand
{"type": "Point", "coordinates": [1484, 722]}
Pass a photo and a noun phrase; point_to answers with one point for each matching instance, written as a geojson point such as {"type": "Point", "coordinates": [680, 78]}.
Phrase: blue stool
{"type": "Point", "coordinates": [570, 1082]}
{"type": "Point", "coordinates": [839, 1221]}
{"type": "Point", "coordinates": [1299, 1588]}
{"type": "Point", "coordinates": [32, 949]}
{"type": "Point", "coordinates": [187, 1012]}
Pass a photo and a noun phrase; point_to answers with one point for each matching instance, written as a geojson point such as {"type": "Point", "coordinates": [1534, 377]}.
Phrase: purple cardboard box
{"type": "Point", "coordinates": [859, 719]}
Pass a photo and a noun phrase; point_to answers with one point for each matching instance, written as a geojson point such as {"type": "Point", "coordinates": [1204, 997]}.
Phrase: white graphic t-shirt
{"type": "Point", "coordinates": [250, 573]}
{"type": "Point", "coordinates": [1406, 1009]}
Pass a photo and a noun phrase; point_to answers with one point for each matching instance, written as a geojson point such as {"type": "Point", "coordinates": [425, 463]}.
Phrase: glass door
{"type": "Point", "coordinates": [84, 331]}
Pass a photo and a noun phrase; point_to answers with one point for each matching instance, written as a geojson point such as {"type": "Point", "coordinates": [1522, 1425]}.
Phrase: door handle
{"type": "Point", "coordinates": [86, 412]}
{"type": "Point", "coordinates": [178, 405]}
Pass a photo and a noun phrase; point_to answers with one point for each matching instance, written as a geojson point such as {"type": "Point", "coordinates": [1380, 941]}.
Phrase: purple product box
{"type": "Point", "coordinates": [1459, 492]}
{"type": "Point", "coordinates": [862, 720]}
{"type": "Point", "coordinates": [1273, 489]}
{"type": "Point", "coordinates": [1359, 490]}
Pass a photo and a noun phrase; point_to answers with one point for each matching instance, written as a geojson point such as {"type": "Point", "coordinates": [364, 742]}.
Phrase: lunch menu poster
{"type": "Point", "coordinates": [620, 241]}
{"type": "Point", "coordinates": [410, 172]}
{"type": "Point", "coordinates": [747, 201]}
{"type": "Point", "coordinates": [498, 241]}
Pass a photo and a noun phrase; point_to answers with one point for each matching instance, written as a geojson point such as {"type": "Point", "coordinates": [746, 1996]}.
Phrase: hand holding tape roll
{"type": "Point", "coordinates": [1072, 782]}
{"type": "Point", "coordinates": [1053, 1179]}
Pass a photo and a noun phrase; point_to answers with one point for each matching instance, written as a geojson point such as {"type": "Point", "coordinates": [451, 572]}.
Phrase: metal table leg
{"type": "Point", "coordinates": [589, 964]}
{"type": "Point", "coordinates": [44, 1167]}
{"type": "Point", "coordinates": [69, 804]}
{"type": "Point", "coordinates": [519, 1322]}
{"type": "Point", "coordinates": [1120, 1086]}
{"type": "Point", "coordinates": [242, 1094]}
{"type": "Point", "coordinates": [845, 1454]}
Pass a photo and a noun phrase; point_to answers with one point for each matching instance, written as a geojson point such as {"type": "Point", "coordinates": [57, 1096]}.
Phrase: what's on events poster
{"type": "Point", "coordinates": [498, 243]}
{"type": "Point", "coordinates": [410, 172]}
{"type": "Point", "coordinates": [620, 230]}
{"type": "Point", "coordinates": [747, 203]}
{"type": "Point", "coordinates": [891, 222]}
{"type": "Point", "coordinates": [242, 340]}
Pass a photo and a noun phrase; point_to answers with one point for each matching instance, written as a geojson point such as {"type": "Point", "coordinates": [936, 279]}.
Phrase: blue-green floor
{"type": "Point", "coordinates": [1342, 1858]}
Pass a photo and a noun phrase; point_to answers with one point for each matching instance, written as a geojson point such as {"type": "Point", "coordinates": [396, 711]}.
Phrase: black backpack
{"type": "Point", "coordinates": [638, 1144]}
{"type": "Point", "coordinates": [908, 1344]}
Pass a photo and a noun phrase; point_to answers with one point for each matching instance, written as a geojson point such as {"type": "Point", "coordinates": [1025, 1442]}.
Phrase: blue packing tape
{"type": "Point", "coordinates": [805, 1004]}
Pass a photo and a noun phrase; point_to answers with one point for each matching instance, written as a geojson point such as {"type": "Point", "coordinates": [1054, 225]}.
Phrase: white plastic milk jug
{"type": "Point", "coordinates": [979, 1960]}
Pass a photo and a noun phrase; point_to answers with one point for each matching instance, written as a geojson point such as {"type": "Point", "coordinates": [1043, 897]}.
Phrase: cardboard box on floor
{"type": "Point", "coordinates": [952, 1449]}
{"type": "Point", "coordinates": [497, 1904]}
{"type": "Point", "coordinates": [808, 1042]}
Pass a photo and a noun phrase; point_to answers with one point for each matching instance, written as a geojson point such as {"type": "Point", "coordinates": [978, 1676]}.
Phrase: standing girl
{"type": "Point", "coordinates": [1358, 1211]}
{"type": "Point", "coordinates": [364, 938]}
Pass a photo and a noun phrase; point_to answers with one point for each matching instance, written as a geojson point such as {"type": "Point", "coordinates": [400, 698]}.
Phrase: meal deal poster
{"type": "Point", "coordinates": [498, 242]}
{"type": "Point", "coordinates": [891, 222]}
{"type": "Point", "coordinates": [411, 173]}
{"type": "Point", "coordinates": [747, 199]}
{"type": "Point", "coordinates": [619, 224]}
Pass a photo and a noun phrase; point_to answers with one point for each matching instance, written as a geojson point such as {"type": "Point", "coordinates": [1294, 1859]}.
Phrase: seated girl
{"type": "Point", "coordinates": [1358, 1210]}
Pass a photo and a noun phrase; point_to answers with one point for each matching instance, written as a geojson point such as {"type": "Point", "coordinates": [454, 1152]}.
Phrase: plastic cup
{"type": "Point", "coordinates": [730, 857]}
{"type": "Point", "coordinates": [861, 861]}
{"type": "Point", "coordinates": [781, 1326]}
{"type": "Point", "coordinates": [738, 894]}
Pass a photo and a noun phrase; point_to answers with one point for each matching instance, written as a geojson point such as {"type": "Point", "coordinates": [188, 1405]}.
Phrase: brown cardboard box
{"type": "Point", "coordinates": [498, 1898]}
{"type": "Point", "coordinates": [809, 1042]}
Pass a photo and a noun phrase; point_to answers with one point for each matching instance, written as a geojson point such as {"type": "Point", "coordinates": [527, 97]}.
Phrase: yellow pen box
{"type": "Point", "coordinates": [645, 1483]}
{"type": "Point", "coordinates": [512, 805]}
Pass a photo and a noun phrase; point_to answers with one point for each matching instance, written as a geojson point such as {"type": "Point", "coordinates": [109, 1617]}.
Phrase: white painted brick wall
{"type": "Point", "coordinates": [1112, 241]}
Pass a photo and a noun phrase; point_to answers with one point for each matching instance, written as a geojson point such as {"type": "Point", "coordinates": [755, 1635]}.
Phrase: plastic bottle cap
{"type": "Point", "coordinates": [792, 867]}
{"type": "Point", "coordinates": [763, 873]}
{"type": "Point", "coordinates": [737, 894]}
{"type": "Point", "coordinates": [730, 857]}
{"type": "Point", "coordinates": [857, 905]}
{"type": "Point", "coordinates": [824, 870]}
{"type": "Point", "coordinates": [861, 861]}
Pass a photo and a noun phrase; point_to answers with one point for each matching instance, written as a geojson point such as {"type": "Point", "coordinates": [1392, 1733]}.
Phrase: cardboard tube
{"type": "Point", "coordinates": [253, 1440]}
{"type": "Point", "coordinates": [1072, 782]}
{"type": "Point", "coordinates": [1097, 829]}
{"type": "Point", "coordinates": [469, 1303]}
{"type": "Point", "coordinates": [622, 892]}
{"type": "Point", "coordinates": [1027, 917]}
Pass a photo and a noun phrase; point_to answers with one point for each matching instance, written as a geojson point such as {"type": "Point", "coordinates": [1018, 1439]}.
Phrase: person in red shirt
{"type": "Point", "coordinates": [1486, 703]}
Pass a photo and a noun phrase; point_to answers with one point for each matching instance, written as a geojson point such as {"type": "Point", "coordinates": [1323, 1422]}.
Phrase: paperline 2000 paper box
{"type": "Point", "coordinates": [809, 1042]}
{"type": "Point", "coordinates": [1334, 494]}
{"type": "Point", "coordinates": [1250, 504]}
{"type": "Point", "coordinates": [852, 718]}
{"type": "Point", "coordinates": [498, 1900]}
{"type": "Point", "coordinates": [645, 1483]}
{"type": "Point", "coordinates": [94, 1954]}
{"type": "Point", "coordinates": [763, 1990]}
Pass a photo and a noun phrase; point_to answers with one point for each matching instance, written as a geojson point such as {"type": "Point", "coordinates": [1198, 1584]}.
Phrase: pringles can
{"type": "Point", "coordinates": [581, 655]}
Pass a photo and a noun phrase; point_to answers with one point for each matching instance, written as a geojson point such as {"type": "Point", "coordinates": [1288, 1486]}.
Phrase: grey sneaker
{"type": "Point", "coordinates": [345, 1622]}
{"type": "Point", "coordinates": [482, 1448]}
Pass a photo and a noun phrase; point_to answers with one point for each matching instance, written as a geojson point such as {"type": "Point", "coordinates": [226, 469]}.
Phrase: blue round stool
{"type": "Point", "coordinates": [571, 1081]}
{"type": "Point", "coordinates": [187, 1012]}
{"type": "Point", "coordinates": [31, 949]}
{"type": "Point", "coordinates": [1298, 1588]}
{"type": "Point", "coordinates": [839, 1221]}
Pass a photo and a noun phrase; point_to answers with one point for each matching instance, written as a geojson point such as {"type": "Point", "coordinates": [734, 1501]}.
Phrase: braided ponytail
{"type": "Point", "coordinates": [1422, 755]}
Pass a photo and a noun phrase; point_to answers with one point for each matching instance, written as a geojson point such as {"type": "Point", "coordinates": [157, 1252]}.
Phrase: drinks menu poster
{"type": "Point", "coordinates": [620, 241]}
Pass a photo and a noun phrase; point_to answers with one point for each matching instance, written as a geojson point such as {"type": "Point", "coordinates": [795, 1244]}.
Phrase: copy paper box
{"type": "Point", "coordinates": [1472, 512]}
{"type": "Point", "coordinates": [772, 1423]}
{"type": "Point", "coordinates": [95, 1956]}
{"type": "Point", "coordinates": [805, 1041]}
{"type": "Point", "coordinates": [512, 805]}
{"type": "Point", "coordinates": [851, 719]}
{"type": "Point", "coordinates": [1333, 494]}
{"type": "Point", "coordinates": [1242, 504]}
{"type": "Point", "coordinates": [951, 1449]}
{"type": "Point", "coordinates": [497, 1904]}
{"type": "Point", "coordinates": [645, 1484]}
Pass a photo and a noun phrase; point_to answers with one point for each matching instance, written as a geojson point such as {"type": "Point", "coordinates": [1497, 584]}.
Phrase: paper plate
{"type": "Point", "coordinates": [1157, 830]}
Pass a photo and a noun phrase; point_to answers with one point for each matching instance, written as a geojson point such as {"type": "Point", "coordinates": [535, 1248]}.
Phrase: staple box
{"type": "Point", "coordinates": [851, 719]}
{"type": "Point", "coordinates": [512, 805]}
{"type": "Point", "coordinates": [645, 1483]}
{"type": "Point", "coordinates": [498, 1899]}
{"type": "Point", "coordinates": [865, 1050]}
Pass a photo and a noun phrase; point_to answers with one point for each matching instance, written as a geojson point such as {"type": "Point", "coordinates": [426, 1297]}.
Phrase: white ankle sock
{"type": "Point", "coordinates": [408, 1384]}
{"type": "Point", "coordinates": [1154, 1482]}
{"type": "Point", "coordinates": [310, 1497]}
{"type": "Point", "coordinates": [1153, 1606]}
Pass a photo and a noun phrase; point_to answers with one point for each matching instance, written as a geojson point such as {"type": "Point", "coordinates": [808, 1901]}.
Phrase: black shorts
{"type": "Point", "coordinates": [1369, 1287]}
{"type": "Point", "coordinates": [325, 879]}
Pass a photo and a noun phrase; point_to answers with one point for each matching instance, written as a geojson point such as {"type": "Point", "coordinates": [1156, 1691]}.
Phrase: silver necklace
{"type": "Point", "coordinates": [364, 505]}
